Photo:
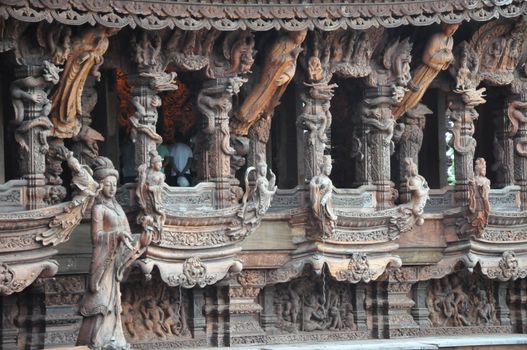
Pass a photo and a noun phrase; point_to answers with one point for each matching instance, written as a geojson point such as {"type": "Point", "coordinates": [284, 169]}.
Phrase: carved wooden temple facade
{"type": "Point", "coordinates": [354, 170]}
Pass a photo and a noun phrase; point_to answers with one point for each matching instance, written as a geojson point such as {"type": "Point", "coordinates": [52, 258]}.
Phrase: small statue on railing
{"type": "Point", "coordinates": [476, 218]}
{"type": "Point", "coordinates": [418, 187]}
{"type": "Point", "coordinates": [113, 251]}
{"type": "Point", "coordinates": [321, 191]}
{"type": "Point", "coordinates": [257, 198]}
{"type": "Point", "coordinates": [411, 213]}
{"type": "Point", "coordinates": [478, 200]}
{"type": "Point", "coordinates": [150, 182]}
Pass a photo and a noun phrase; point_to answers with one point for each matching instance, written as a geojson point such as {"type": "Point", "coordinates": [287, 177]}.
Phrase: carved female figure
{"type": "Point", "coordinates": [479, 196]}
{"type": "Point", "coordinates": [436, 57]}
{"type": "Point", "coordinates": [101, 307]}
{"type": "Point", "coordinates": [419, 189]}
{"type": "Point", "coordinates": [278, 69]}
{"type": "Point", "coordinates": [150, 182]}
{"type": "Point", "coordinates": [321, 191]}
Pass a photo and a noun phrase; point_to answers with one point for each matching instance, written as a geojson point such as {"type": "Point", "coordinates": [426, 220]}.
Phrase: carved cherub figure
{"type": "Point", "coordinates": [321, 192]}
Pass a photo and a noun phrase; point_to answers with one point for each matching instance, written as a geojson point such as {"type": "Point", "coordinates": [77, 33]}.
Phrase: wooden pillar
{"type": "Point", "coordinates": [379, 123]}
{"type": "Point", "coordinates": [462, 118]}
{"type": "Point", "coordinates": [215, 102]}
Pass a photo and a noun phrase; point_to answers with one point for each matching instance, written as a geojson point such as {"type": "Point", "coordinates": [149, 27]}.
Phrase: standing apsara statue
{"type": "Point", "coordinates": [150, 182]}
{"type": "Point", "coordinates": [321, 191]}
{"type": "Point", "coordinates": [478, 201]}
{"type": "Point", "coordinates": [113, 251]}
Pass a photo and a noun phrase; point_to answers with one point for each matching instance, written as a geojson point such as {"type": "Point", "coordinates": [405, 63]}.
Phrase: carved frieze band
{"type": "Point", "coordinates": [228, 15]}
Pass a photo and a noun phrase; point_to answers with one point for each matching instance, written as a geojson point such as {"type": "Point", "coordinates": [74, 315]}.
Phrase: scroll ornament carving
{"type": "Point", "coordinates": [412, 135]}
{"type": "Point", "coordinates": [476, 219]}
{"type": "Point", "coordinates": [394, 69]}
{"type": "Point", "coordinates": [344, 53]}
{"type": "Point", "coordinates": [462, 129]}
{"type": "Point", "coordinates": [85, 58]}
{"type": "Point", "coordinates": [412, 213]}
{"type": "Point", "coordinates": [194, 273]}
{"type": "Point", "coordinates": [256, 199]}
{"type": "Point", "coordinates": [63, 224]}
{"type": "Point", "coordinates": [145, 118]}
{"type": "Point", "coordinates": [34, 90]}
{"type": "Point", "coordinates": [278, 69]}
{"type": "Point", "coordinates": [8, 282]}
{"type": "Point", "coordinates": [516, 112]}
{"type": "Point", "coordinates": [321, 192]}
{"type": "Point", "coordinates": [508, 268]}
{"type": "Point", "coordinates": [358, 269]}
{"type": "Point", "coordinates": [376, 115]}
{"type": "Point", "coordinates": [114, 250]}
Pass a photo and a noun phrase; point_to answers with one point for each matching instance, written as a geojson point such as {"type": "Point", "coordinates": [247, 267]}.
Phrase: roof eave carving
{"type": "Point", "coordinates": [280, 14]}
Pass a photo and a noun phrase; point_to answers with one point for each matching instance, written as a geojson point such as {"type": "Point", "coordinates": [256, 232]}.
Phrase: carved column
{"type": "Point", "coordinates": [420, 310]}
{"type": "Point", "coordinates": [198, 321]}
{"type": "Point", "coordinates": [410, 143]}
{"type": "Point", "coordinates": [461, 117]}
{"type": "Point", "coordinates": [502, 310]}
{"type": "Point", "coordinates": [215, 102]}
{"type": "Point", "coordinates": [361, 152]}
{"type": "Point", "coordinates": [268, 315]}
{"type": "Point", "coordinates": [400, 321]}
{"type": "Point", "coordinates": [243, 326]}
{"type": "Point", "coordinates": [32, 106]}
{"type": "Point", "coordinates": [378, 123]}
{"type": "Point", "coordinates": [503, 147]}
{"type": "Point", "coordinates": [517, 113]}
{"type": "Point", "coordinates": [146, 101]}
{"type": "Point", "coordinates": [9, 322]}
{"type": "Point", "coordinates": [359, 313]}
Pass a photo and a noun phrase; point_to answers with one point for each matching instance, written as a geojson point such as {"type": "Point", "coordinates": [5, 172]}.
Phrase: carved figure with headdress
{"type": "Point", "coordinates": [321, 192]}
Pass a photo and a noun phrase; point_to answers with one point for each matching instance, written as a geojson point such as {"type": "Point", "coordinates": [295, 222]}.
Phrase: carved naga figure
{"type": "Point", "coordinates": [150, 182]}
{"type": "Point", "coordinates": [113, 251]}
{"type": "Point", "coordinates": [278, 70]}
{"type": "Point", "coordinates": [85, 58]}
{"type": "Point", "coordinates": [321, 192]}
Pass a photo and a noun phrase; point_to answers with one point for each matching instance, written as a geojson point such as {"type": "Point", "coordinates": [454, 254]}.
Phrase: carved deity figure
{"type": "Point", "coordinates": [150, 182]}
{"type": "Point", "coordinates": [258, 199]}
{"type": "Point", "coordinates": [321, 192]}
{"type": "Point", "coordinates": [436, 57]}
{"type": "Point", "coordinates": [101, 326]}
{"type": "Point", "coordinates": [278, 70]}
{"type": "Point", "coordinates": [418, 188]}
{"type": "Point", "coordinates": [479, 190]}
{"type": "Point", "coordinates": [85, 58]}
